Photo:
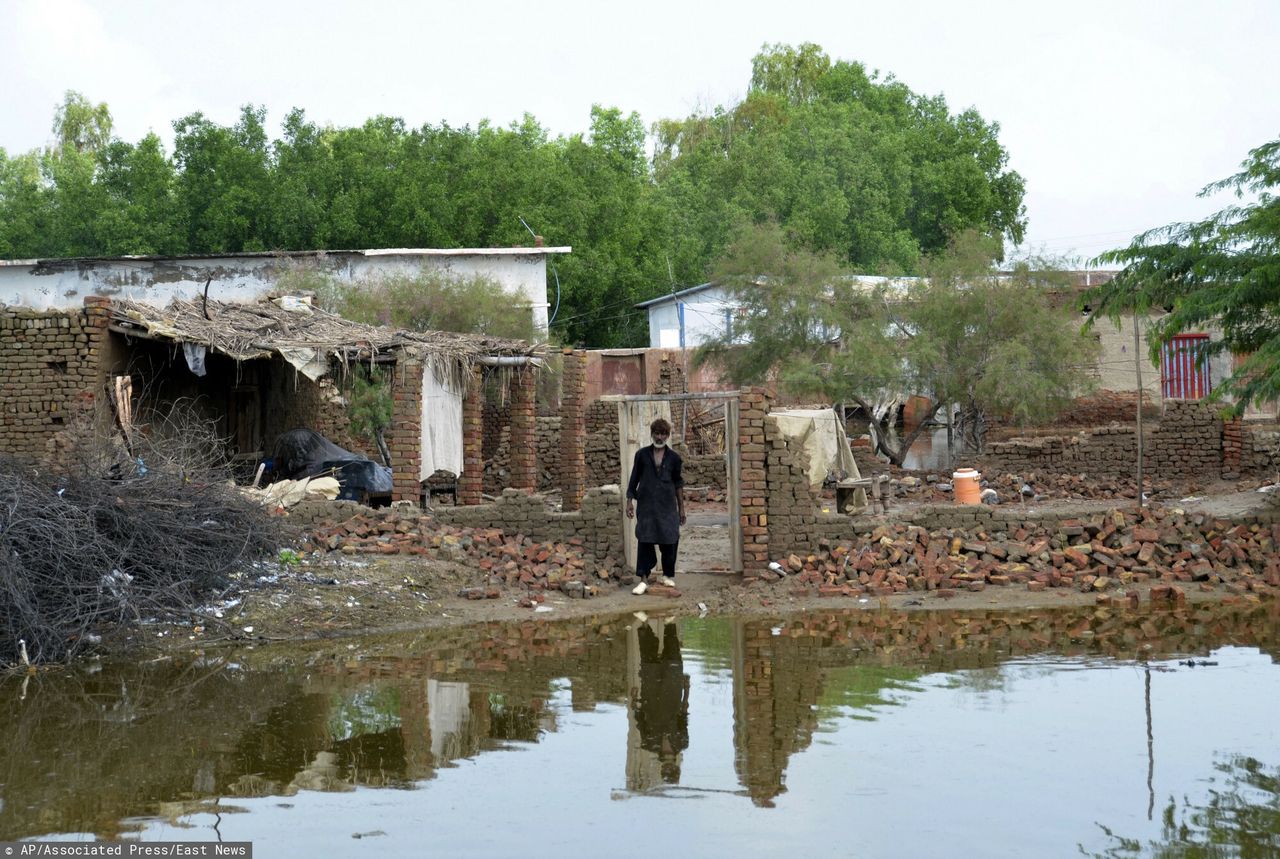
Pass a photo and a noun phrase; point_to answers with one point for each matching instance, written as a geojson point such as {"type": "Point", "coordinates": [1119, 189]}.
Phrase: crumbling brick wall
{"type": "Point", "coordinates": [497, 469]}
{"type": "Point", "coordinates": [497, 417]}
{"type": "Point", "coordinates": [597, 524]}
{"type": "Point", "coordinates": [796, 522]}
{"type": "Point", "coordinates": [1259, 451]}
{"type": "Point", "coordinates": [1105, 407]}
{"type": "Point", "coordinates": [50, 368]}
{"type": "Point", "coordinates": [1188, 440]}
{"type": "Point", "coordinates": [600, 447]}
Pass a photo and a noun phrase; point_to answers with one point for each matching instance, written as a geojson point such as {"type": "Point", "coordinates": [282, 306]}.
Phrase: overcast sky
{"type": "Point", "coordinates": [1116, 113]}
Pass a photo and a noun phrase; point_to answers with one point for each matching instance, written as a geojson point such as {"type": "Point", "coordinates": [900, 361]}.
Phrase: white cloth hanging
{"type": "Point", "coordinates": [195, 354]}
{"type": "Point", "coordinates": [441, 424]}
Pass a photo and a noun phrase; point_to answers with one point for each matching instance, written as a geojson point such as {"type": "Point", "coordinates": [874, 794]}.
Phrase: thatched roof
{"type": "Point", "coordinates": [296, 330]}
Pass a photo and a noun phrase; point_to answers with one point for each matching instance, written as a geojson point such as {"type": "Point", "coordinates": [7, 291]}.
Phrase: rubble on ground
{"type": "Point", "coordinates": [501, 559]}
{"type": "Point", "coordinates": [1105, 553]}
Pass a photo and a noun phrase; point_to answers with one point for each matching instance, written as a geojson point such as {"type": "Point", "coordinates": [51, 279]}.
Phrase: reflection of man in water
{"type": "Point", "coordinates": [661, 704]}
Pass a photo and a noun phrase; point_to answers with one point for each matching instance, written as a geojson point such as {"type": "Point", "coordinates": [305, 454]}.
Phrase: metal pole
{"type": "Point", "coordinates": [1137, 364]}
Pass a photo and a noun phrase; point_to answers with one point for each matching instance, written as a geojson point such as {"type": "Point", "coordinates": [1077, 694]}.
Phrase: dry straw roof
{"type": "Point", "coordinates": [248, 331]}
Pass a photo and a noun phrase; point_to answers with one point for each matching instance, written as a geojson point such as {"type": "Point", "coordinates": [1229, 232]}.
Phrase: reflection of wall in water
{"type": "Point", "coordinates": [776, 685]}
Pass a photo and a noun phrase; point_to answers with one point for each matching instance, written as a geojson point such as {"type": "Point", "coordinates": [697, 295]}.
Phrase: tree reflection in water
{"type": "Point", "coordinates": [1240, 819]}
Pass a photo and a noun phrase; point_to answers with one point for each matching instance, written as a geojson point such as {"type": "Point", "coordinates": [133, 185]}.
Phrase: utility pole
{"type": "Point", "coordinates": [1137, 365]}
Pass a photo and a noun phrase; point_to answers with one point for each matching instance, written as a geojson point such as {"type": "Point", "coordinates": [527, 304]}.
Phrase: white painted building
{"type": "Point", "coordinates": [46, 284]}
{"type": "Point", "coordinates": [691, 317]}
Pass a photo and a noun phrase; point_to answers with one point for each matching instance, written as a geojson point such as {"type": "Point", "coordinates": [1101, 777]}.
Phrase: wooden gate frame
{"type": "Point", "coordinates": [629, 438]}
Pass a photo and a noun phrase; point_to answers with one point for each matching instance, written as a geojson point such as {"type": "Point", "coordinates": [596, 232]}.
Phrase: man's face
{"type": "Point", "coordinates": [660, 438]}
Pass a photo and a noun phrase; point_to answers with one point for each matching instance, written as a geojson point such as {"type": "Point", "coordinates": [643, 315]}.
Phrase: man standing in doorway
{"type": "Point", "coordinates": [657, 482]}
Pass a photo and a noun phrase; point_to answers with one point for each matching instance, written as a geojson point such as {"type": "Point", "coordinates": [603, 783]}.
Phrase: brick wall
{"type": "Point", "coordinates": [1259, 451]}
{"type": "Point", "coordinates": [600, 448]}
{"type": "Point", "coordinates": [596, 524]}
{"type": "Point", "coordinates": [50, 370]}
{"type": "Point", "coordinates": [471, 481]}
{"type": "Point", "coordinates": [549, 438]}
{"type": "Point", "coordinates": [1188, 440]}
{"type": "Point", "coordinates": [404, 436]}
{"type": "Point", "coordinates": [524, 467]}
{"type": "Point", "coordinates": [497, 417]}
{"type": "Point", "coordinates": [710, 470]}
{"type": "Point", "coordinates": [572, 471]}
{"type": "Point", "coordinates": [753, 406]}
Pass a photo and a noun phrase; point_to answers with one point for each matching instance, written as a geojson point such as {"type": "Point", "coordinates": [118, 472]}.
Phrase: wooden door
{"type": "Point", "coordinates": [634, 417]}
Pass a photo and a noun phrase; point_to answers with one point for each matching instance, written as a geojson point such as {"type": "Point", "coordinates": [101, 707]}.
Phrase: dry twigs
{"type": "Point", "coordinates": [94, 546]}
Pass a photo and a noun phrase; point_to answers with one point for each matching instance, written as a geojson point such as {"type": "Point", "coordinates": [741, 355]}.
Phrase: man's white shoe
{"type": "Point", "coordinates": [669, 582]}
{"type": "Point", "coordinates": [640, 588]}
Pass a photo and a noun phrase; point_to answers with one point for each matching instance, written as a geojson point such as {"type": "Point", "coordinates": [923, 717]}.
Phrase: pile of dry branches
{"type": "Point", "coordinates": [110, 539]}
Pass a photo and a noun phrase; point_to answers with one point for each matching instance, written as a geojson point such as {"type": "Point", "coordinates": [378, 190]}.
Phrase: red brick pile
{"type": "Point", "coordinates": [1105, 552]}
{"type": "Point", "coordinates": [518, 559]}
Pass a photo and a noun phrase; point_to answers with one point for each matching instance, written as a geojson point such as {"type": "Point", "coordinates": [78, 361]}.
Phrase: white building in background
{"type": "Point", "coordinates": [691, 317]}
{"type": "Point", "coordinates": [45, 284]}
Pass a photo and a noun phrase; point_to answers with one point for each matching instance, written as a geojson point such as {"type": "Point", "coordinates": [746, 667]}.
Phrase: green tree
{"type": "Point", "coordinates": [223, 186]}
{"type": "Point", "coordinates": [141, 212]}
{"type": "Point", "coordinates": [848, 162]}
{"type": "Point", "coordinates": [964, 334]}
{"type": "Point", "coordinates": [80, 125]}
{"type": "Point", "coordinates": [1223, 271]}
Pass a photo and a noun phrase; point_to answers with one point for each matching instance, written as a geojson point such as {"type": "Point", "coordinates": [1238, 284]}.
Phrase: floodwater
{"type": "Point", "coordinates": [1046, 733]}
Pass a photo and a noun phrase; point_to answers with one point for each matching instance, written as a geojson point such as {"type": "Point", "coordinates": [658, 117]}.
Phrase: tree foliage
{"type": "Point", "coordinates": [853, 164]}
{"type": "Point", "coordinates": [989, 342]}
{"type": "Point", "coordinates": [850, 163]}
{"type": "Point", "coordinates": [1221, 272]}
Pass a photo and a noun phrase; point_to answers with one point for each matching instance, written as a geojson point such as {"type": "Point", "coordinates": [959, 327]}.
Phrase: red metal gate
{"type": "Point", "coordinates": [1184, 367]}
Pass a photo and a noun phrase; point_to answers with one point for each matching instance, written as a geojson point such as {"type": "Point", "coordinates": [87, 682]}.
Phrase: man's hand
{"type": "Point", "coordinates": [682, 516]}
{"type": "Point", "coordinates": [631, 509]}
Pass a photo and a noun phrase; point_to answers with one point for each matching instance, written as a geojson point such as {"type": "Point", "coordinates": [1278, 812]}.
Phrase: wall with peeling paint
{"type": "Point", "coordinates": [62, 284]}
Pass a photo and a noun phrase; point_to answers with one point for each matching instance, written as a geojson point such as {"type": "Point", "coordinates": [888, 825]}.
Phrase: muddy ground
{"type": "Point", "coordinates": [334, 595]}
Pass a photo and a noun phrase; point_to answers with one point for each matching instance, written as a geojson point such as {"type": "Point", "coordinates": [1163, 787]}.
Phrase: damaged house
{"type": "Point", "coordinates": [256, 368]}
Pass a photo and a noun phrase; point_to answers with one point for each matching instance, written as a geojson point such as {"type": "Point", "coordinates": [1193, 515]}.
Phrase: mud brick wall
{"type": "Point", "coordinates": [1105, 407]}
{"type": "Point", "coordinates": [1188, 439]}
{"type": "Point", "coordinates": [1259, 451]}
{"type": "Point", "coordinates": [497, 417]}
{"type": "Point", "coordinates": [711, 470]}
{"type": "Point", "coordinates": [671, 380]}
{"type": "Point", "coordinates": [997, 520]}
{"type": "Point", "coordinates": [596, 524]}
{"type": "Point", "coordinates": [571, 470]}
{"type": "Point", "coordinates": [600, 449]}
{"type": "Point", "coordinates": [497, 471]}
{"type": "Point", "coordinates": [49, 369]}
{"type": "Point", "coordinates": [1110, 451]}
{"type": "Point", "coordinates": [600, 415]}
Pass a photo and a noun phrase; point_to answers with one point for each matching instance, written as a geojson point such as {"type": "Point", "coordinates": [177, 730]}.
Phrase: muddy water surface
{"type": "Point", "coordinates": [859, 733]}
